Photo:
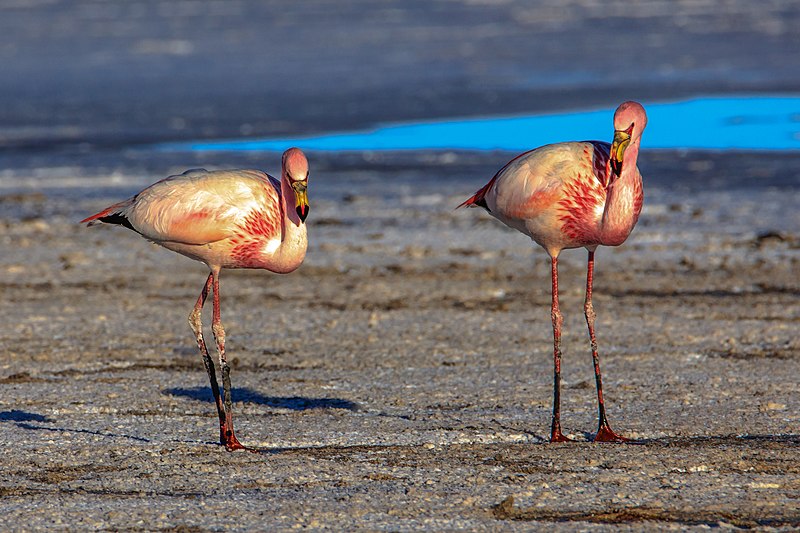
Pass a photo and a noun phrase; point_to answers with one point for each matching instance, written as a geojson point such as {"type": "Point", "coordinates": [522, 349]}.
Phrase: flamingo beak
{"type": "Point", "coordinates": [621, 141]}
{"type": "Point", "coordinates": [301, 199]}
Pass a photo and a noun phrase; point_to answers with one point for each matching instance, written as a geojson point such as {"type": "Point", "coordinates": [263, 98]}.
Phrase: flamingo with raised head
{"type": "Point", "coordinates": [573, 195]}
{"type": "Point", "coordinates": [225, 219]}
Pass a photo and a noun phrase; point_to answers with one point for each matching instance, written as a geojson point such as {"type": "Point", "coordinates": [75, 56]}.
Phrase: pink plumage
{"type": "Point", "coordinates": [573, 195]}
{"type": "Point", "coordinates": [225, 219]}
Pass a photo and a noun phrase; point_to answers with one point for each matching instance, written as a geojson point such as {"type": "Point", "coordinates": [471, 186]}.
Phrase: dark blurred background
{"type": "Point", "coordinates": [85, 74]}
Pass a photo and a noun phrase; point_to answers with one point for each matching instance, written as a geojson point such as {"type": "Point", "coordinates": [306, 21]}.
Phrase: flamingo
{"type": "Point", "coordinates": [225, 219]}
{"type": "Point", "coordinates": [573, 195]}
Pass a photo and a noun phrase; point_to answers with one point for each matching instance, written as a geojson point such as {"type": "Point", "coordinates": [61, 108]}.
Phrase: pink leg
{"type": "Point", "coordinates": [195, 322]}
{"type": "Point", "coordinates": [604, 431]}
{"type": "Point", "coordinates": [555, 434]}
{"type": "Point", "coordinates": [227, 435]}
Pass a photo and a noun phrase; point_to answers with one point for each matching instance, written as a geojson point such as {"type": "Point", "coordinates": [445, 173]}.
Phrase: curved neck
{"type": "Point", "coordinates": [623, 200]}
{"type": "Point", "coordinates": [290, 253]}
{"type": "Point", "coordinates": [631, 156]}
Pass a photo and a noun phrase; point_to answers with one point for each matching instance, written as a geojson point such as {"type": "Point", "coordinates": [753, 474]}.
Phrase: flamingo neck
{"type": "Point", "coordinates": [622, 204]}
{"type": "Point", "coordinates": [292, 249]}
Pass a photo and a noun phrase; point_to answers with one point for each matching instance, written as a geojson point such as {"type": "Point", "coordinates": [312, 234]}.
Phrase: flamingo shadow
{"type": "Point", "coordinates": [16, 415]}
{"type": "Point", "coordinates": [790, 439]}
{"type": "Point", "coordinates": [247, 395]}
{"type": "Point", "coordinates": [28, 421]}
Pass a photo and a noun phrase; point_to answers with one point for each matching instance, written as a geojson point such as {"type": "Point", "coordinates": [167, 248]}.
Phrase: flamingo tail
{"type": "Point", "coordinates": [111, 215]}
{"type": "Point", "coordinates": [479, 198]}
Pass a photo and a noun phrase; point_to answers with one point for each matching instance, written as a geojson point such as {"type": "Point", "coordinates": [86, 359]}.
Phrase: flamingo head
{"type": "Point", "coordinates": [295, 172]}
{"type": "Point", "coordinates": [629, 123]}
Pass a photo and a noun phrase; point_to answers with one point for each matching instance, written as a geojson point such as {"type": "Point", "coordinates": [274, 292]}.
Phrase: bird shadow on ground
{"type": "Point", "coordinates": [16, 415]}
{"type": "Point", "coordinates": [719, 440]}
{"type": "Point", "coordinates": [294, 403]}
{"type": "Point", "coordinates": [26, 420]}
{"type": "Point", "coordinates": [698, 441]}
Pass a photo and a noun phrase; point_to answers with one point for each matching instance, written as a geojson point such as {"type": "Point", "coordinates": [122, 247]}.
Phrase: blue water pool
{"type": "Point", "coordinates": [711, 123]}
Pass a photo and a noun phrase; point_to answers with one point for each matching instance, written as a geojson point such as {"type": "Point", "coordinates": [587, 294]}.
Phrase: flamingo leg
{"type": "Point", "coordinates": [227, 435]}
{"type": "Point", "coordinates": [196, 323]}
{"type": "Point", "coordinates": [555, 434]}
{"type": "Point", "coordinates": [604, 431]}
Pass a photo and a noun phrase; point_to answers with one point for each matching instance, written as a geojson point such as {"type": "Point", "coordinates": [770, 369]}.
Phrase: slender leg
{"type": "Point", "coordinates": [227, 434]}
{"type": "Point", "coordinates": [555, 434]}
{"type": "Point", "coordinates": [196, 323]}
{"type": "Point", "coordinates": [604, 431]}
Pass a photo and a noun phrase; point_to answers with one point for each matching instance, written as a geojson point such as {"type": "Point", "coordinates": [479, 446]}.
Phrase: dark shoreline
{"type": "Point", "coordinates": [117, 75]}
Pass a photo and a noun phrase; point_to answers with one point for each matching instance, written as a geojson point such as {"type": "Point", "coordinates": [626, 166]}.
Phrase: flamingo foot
{"type": "Point", "coordinates": [233, 444]}
{"type": "Point", "coordinates": [228, 439]}
{"type": "Point", "coordinates": [558, 436]}
{"type": "Point", "coordinates": [606, 434]}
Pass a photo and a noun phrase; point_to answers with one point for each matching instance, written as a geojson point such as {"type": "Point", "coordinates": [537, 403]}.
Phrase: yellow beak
{"type": "Point", "coordinates": [621, 141]}
{"type": "Point", "coordinates": [301, 199]}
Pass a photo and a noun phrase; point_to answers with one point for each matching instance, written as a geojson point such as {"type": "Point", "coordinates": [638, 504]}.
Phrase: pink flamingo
{"type": "Point", "coordinates": [225, 219]}
{"type": "Point", "coordinates": [573, 195]}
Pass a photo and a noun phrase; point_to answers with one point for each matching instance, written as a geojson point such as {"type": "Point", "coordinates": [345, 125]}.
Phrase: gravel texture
{"type": "Point", "coordinates": [401, 378]}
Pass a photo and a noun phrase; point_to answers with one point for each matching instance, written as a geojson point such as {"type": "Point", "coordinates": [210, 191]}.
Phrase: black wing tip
{"type": "Point", "coordinates": [118, 219]}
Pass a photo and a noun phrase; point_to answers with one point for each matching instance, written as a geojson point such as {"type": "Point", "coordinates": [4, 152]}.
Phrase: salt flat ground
{"type": "Point", "coordinates": [401, 378]}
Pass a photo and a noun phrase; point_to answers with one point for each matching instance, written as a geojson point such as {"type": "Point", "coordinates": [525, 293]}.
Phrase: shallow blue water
{"type": "Point", "coordinates": [715, 123]}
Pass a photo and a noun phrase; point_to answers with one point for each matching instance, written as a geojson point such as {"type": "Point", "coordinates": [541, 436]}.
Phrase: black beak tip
{"type": "Point", "coordinates": [616, 166]}
{"type": "Point", "coordinates": [302, 212]}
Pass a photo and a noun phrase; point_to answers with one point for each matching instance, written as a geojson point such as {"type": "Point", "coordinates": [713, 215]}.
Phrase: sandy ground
{"type": "Point", "coordinates": [401, 378]}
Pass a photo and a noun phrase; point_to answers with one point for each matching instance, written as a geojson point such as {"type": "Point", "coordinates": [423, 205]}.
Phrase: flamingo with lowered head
{"type": "Point", "coordinates": [225, 219]}
{"type": "Point", "coordinates": [573, 195]}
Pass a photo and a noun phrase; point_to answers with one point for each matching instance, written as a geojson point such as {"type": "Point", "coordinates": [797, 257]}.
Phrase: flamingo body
{"type": "Point", "coordinates": [573, 195]}
{"type": "Point", "coordinates": [225, 219]}
{"type": "Point", "coordinates": [558, 195]}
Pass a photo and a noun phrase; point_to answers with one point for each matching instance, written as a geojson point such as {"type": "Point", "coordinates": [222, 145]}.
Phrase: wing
{"type": "Point", "coordinates": [479, 198]}
{"type": "Point", "coordinates": [538, 180]}
{"type": "Point", "coordinates": [200, 207]}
